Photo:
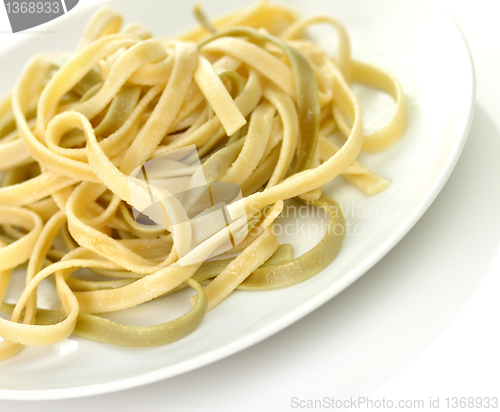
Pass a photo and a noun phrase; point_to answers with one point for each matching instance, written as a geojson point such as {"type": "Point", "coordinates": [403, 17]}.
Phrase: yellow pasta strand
{"type": "Point", "coordinates": [140, 159]}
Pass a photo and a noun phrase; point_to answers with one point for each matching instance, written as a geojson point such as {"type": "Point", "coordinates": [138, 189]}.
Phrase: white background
{"type": "Point", "coordinates": [424, 322]}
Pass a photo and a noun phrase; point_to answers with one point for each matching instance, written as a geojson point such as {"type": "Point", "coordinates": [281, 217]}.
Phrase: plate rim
{"type": "Point", "coordinates": [297, 313]}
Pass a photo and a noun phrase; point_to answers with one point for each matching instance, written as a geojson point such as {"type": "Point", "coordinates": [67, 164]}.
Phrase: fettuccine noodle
{"type": "Point", "coordinates": [256, 99]}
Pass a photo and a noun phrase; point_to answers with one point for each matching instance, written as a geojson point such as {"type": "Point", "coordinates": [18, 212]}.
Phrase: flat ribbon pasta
{"type": "Point", "coordinates": [136, 166]}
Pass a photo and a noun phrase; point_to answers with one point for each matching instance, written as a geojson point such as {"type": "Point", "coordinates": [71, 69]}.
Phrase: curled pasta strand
{"type": "Point", "coordinates": [258, 101]}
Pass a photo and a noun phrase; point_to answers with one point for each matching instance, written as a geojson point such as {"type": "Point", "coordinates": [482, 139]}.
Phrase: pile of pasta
{"type": "Point", "coordinates": [249, 90]}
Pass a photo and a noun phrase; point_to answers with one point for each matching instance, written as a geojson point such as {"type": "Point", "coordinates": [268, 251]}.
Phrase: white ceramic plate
{"type": "Point", "coordinates": [418, 42]}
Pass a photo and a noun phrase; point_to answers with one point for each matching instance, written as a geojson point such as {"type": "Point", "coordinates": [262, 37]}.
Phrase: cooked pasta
{"type": "Point", "coordinates": [242, 105]}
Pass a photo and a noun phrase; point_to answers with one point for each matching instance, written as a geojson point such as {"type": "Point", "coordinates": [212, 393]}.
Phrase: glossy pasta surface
{"type": "Point", "coordinates": [160, 164]}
